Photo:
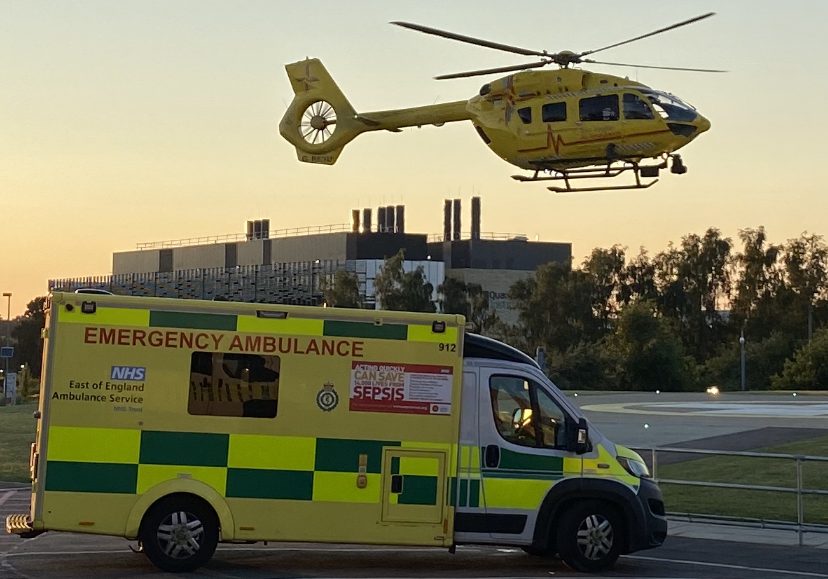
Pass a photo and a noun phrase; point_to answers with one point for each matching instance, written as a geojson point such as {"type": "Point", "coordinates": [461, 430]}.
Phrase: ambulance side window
{"type": "Point", "coordinates": [512, 407]}
{"type": "Point", "coordinates": [243, 385]}
{"type": "Point", "coordinates": [525, 414]}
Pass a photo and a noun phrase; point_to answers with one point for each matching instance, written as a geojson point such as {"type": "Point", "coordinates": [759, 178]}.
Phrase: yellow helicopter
{"type": "Point", "coordinates": [562, 125]}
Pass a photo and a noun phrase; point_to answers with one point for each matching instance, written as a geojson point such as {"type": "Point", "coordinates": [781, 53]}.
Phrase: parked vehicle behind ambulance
{"type": "Point", "coordinates": [185, 423]}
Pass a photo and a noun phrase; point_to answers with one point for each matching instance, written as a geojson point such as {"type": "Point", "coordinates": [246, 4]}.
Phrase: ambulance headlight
{"type": "Point", "coordinates": [637, 468]}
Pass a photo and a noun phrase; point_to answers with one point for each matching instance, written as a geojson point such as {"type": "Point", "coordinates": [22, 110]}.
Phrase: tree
{"type": "Point", "coordinates": [344, 291]}
{"type": "Point", "coordinates": [692, 281]}
{"type": "Point", "coordinates": [399, 290]}
{"type": "Point", "coordinates": [27, 334]}
{"type": "Point", "coordinates": [806, 267]}
{"type": "Point", "coordinates": [605, 267]}
{"type": "Point", "coordinates": [555, 308]}
{"type": "Point", "coordinates": [808, 369]}
{"type": "Point", "coordinates": [468, 299]}
{"type": "Point", "coordinates": [651, 356]}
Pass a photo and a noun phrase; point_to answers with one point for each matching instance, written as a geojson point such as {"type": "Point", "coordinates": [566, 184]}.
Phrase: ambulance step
{"type": "Point", "coordinates": [20, 525]}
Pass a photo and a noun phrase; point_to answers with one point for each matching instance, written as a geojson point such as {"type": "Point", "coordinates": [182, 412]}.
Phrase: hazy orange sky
{"type": "Point", "coordinates": [126, 122]}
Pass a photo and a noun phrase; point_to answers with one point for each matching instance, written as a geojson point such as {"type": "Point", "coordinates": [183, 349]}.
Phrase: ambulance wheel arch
{"type": "Point", "coordinates": [182, 487]}
{"type": "Point", "coordinates": [569, 493]}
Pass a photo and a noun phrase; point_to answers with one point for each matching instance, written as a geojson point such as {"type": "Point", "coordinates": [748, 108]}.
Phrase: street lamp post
{"type": "Point", "coordinates": [7, 295]}
{"type": "Point", "coordinates": [742, 357]}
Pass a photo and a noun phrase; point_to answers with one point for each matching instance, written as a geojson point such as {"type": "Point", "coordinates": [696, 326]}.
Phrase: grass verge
{"type": "Point", "coordinates": [766, 505]}
{"type": "Point", "coordinates": [17, 433]}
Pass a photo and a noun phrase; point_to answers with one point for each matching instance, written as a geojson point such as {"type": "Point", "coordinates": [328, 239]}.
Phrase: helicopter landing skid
{"type": "Point", "coordinates": [606, 172]}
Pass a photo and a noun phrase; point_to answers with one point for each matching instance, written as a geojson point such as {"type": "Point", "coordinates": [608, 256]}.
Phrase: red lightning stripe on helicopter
{"type": "Point", "coordinates": [554, 142]}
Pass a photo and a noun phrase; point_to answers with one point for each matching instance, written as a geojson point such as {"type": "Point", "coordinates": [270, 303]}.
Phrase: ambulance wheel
{"type": "Point", "coordinates": [179, 533]}
{"type": "Point", "coordinates": [590, 536]}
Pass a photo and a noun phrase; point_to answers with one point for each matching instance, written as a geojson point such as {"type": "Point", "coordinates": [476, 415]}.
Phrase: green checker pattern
{"type": "Point", "coordinates": [211, 450]}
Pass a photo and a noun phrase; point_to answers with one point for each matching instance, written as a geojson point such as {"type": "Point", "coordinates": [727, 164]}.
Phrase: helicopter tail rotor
{"type": "Point", "coordinates": [319, 121]}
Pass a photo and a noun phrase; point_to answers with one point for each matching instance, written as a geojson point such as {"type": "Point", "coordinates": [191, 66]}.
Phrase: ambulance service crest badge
{"type": "Point", "coordinates": [327, 399]}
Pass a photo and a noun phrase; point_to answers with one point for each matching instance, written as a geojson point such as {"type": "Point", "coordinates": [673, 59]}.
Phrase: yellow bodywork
{"type": "Point", "coordinates": [320, 121]}
{"type": "Point", "coordinates": [290, 457]}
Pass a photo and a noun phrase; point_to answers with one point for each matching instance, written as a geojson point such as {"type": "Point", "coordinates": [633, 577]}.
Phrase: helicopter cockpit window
{"type": "Point", "coordinates": [671, 107]}
{"type": "Point", "coordinates": [636, 108]}
{"type": "Point", "coordinates": [525, 115]}
{"type": "Point", "coordinates": [553, 112]}
{"type": "Point", "coordinates": [599, 108]}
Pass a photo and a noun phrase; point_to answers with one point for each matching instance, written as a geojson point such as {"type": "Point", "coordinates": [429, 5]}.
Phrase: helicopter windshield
{"type": "Point", "coordinates": [670, 107]}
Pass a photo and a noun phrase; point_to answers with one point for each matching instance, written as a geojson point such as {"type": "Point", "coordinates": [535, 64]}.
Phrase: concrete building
{"type": "Point", "coordinates": [293, 265]}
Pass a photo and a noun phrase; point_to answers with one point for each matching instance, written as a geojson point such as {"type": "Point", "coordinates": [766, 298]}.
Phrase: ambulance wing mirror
{"type": "Point", "coordinates": [577, 436]}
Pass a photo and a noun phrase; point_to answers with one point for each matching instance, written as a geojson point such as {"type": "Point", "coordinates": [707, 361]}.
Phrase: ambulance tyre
{"type": "Point", "coordinates": [590, 536]}
{"type": "Point", "coordinates": [179, 533]}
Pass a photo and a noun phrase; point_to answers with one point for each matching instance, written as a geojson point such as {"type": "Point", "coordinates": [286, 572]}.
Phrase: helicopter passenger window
{"type": "Point", "coordinates": [525, 115]}
{"type": "Point", "coordinates": [636, 108]}
{"type": "Point", "coordinates": [599, 108]}
{"type": "Point", "coordinates": [553, 112]}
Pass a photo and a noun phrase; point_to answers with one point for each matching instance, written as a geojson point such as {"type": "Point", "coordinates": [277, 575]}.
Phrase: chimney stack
{"type": "Point", "coordinates": [400, 226]}
{"type": "Point", "coordinates": [390, 220]}
{"type": "Point", "coordinates": [475, 218]}
{"type": "Point", "coordinates": [380, 219]}
{"type": "Point", "coordinates": [456, 219]}
{"type": "Point", "coordinates": [354, 220]}
{"type": "Point", "coordinates": [447, 220]}
{"type": "Point", "coordinates": [366, 220]}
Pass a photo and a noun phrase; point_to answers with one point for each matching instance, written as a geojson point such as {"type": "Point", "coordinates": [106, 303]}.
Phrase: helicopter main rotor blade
{"type": "Point", "coordinates": [659, 31]}
{"type": "Point", "coordinates": [493, 70]}
{"type": "Point", "coordinates": [590, 61]}
{"type": "Point", "coordinates": [469, 39]}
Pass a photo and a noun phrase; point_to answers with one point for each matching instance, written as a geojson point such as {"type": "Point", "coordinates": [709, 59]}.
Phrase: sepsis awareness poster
{"type": "Point", "coordinates": [400, 388]}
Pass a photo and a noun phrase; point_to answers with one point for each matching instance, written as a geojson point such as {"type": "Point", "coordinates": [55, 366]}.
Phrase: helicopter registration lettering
{"type": "Point", "coordinates": [323, 159]}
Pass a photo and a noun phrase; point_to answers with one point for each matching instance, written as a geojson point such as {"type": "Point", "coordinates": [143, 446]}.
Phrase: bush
{"type": "Point", "coordinates": [808, 369]}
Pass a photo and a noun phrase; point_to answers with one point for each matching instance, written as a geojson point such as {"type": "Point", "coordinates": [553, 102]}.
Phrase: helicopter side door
{"type": "Point", "coordinates": [546, 132]}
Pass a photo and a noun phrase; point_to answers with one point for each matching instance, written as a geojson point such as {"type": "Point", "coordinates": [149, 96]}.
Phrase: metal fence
{"type": "Point", "coordinates": [651, 455]}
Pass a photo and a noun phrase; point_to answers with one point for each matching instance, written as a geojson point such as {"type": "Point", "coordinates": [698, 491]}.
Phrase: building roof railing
{"type": "Point", "coordinates": [231, 237]}
{"type": "Point", "coordinates": [486, 235]}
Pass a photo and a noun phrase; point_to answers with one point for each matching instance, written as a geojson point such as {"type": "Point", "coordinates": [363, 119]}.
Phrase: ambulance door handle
{"type": "Point", "coordinates": [396, 483]}
{"type": "Point", "coordinates": [492, 457]}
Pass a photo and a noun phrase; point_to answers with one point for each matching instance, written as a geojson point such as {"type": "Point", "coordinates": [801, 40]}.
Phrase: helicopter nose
{"type": "Point", "coordinates": [702, 124]}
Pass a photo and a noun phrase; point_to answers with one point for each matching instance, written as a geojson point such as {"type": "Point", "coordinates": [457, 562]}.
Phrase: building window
{"type": "Point", "coordinates": [224, 384]}
{"type": "Point", "coordinates": [599, 108]}
{"type": "Point", "coordinates": [553, 112]}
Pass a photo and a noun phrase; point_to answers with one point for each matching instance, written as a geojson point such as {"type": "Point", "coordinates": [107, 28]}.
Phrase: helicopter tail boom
{"type": "Point", "coordinates": [320, 121]}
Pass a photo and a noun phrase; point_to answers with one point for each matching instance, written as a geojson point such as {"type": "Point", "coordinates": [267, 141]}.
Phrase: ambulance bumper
{"type": "Point", "coordinates": [20, 525]}
{"type": "Point", "coordinates": [654, 531]}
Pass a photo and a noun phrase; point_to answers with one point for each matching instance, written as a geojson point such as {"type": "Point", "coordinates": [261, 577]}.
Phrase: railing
{"type": "Point", "coordinates": [488, 235]}
{"type": "Point", "coordinates": [799, 490]}
{"type": "Point", "coordinates": [231, 237]}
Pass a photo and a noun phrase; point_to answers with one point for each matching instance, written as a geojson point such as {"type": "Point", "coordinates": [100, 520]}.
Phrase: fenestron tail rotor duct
{"type": "Point", "coordinates": [318, 122]}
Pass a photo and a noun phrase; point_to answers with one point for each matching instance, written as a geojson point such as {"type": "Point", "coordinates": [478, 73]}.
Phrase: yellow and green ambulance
{"type": "Point", "coordinates": [185, 423]}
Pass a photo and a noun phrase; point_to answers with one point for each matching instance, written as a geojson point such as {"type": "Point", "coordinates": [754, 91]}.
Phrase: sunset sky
{"type": "Point", "coordinates": [127, 122]}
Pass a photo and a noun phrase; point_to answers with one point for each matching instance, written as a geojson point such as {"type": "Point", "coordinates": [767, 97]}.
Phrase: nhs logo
{"type": "Point", "coordinates": [128, 373]}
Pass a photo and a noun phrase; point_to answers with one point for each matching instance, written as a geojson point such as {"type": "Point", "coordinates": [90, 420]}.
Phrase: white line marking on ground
{"type": "Point", "coordinates": [6, 496]}
{"type": "Point", "coordinates": [727, 566]}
